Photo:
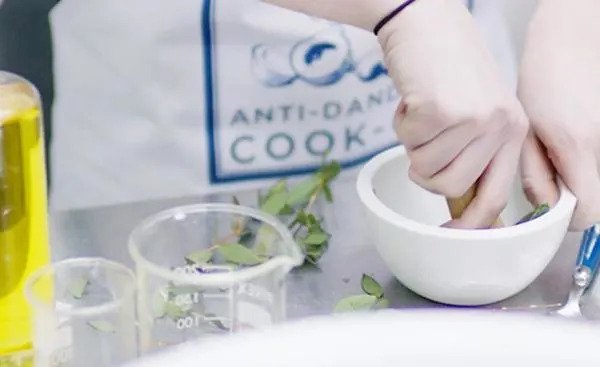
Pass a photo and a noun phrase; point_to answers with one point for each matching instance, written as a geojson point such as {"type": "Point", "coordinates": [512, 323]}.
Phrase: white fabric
{"type": "Point", "coordinates": [130, 116]}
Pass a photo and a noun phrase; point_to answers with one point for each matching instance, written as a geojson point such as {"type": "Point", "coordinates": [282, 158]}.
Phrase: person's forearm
{"type": "Point", "coordinates": [361, 13]}
{"type": "Point", "coordinates": [564, 19]}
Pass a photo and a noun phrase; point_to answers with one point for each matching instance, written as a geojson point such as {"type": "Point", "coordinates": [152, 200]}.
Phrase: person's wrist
{"type": "Point", "coordinates": [572, 11]}
{"type": "Point", "coordinates": [360, 13]}
{"type": "Point", "coordinates": [377, 10]}
{"type": "Point", "coordinates": [573, 24]}
{"type": "Point", "coordinates": [421, 13]}
{"type": "Point", "coordinates": [391, 15]}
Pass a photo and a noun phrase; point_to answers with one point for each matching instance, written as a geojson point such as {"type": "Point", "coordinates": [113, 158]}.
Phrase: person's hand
{"type": "Point", "coordinates": [458, 121]}
{"type": "Point", "coordinates": [559, 88]}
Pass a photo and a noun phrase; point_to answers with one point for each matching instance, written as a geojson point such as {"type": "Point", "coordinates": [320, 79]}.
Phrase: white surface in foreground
{"type": "Point", "coordinates": [407, 338]}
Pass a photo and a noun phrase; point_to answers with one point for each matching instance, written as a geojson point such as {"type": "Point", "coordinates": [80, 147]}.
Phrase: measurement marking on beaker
{"type": "Point", "coordinates": [196, 319]}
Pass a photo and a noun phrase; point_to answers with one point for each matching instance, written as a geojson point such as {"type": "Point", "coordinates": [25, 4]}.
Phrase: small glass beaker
{"type": "Point", "coordinates": [83, 313]}
{"type": "Point", "coordinates": [209, 268]}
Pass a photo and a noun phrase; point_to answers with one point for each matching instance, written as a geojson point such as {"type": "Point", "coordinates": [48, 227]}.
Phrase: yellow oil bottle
{"type": "Point", "coordinates": [23, 208]}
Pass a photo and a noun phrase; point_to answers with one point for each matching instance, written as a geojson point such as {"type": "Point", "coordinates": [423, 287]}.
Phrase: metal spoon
{"type": "Point", "coordinates": [586, 267]}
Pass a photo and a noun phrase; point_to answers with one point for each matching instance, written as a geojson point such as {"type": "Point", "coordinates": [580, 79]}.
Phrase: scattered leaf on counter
{"type": "Point", "coordinates": [373, 299]}
{"type": "Point", "coordinates": [200, 257]}
{"type": "Point", "coordinates": [382, 303]}
{"type": "Point", "coordinates": [78, 286]}
{"type": "Point", "coordinates": [102, 326]}
{"type": "Point", "coordinates": [361, 302]}
{"type": "Point", "coordinates": [239, 254]}
{"type": "Point", "coordinates": [370, 286]}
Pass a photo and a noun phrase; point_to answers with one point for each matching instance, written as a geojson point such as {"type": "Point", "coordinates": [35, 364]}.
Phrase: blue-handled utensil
{"type": "Point", "coordinates": [586, 268]}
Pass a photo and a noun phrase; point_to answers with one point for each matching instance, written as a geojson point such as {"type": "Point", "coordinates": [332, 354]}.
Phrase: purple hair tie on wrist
{"type": "Point", "coordinates": [392, 14]}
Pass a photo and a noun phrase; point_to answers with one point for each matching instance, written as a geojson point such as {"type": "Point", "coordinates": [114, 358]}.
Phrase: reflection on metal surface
{"type": "Point", "coordinates": [311, 290]}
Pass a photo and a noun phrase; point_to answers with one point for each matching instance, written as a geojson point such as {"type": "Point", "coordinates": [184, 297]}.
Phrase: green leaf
{"type": "Point", "coordinates": [316, 238]}
{"type": "Point", "coordinates": [329, 171]}
{"type": "Point", "coordinates": [536, 213]}
{"type": "Point", "coordinates": [102, 326]}
{"type": "Point", "coordinates": [311, 260]}
{"type": "Point", "coordinates": [382, 303]}
{"type": "Point", "coordinates": [200, 257]}
{"type": "Point", "coordinates": [286, 210]}
{"type": "Point", "coordinates": [314, 253]}
{"type": "Point", "coordinates": [159, 303]}
{"type": "Point", "coordinates": [328, 194]}
{"type": "Point", "coordinates": [78, 286]}
{"type": "Point", "coordinates": [301, 217]}
{"type": "Point", "coordinates": [301, 193]}
{"type": "Point", "coordinates": [239, 254]}
{"type": "Point", "coordinates": [274, 203]}
{"type": "Point", "coordinates": [312, 222]}
{"type": "Point", "coordinates": [279, 186]}
{"type": "Point", "coordinates": [175, 290]}
{"type": "Point", "coordinates": [370, 286]}
{"type": "Point", "coordinates": [245, 237]}
{"type": "Point", "coordinates": [265, 237]}
{"type": "Point", "coordinates": [174, 311]}
{"type": "Point", "coordinates": [360, 302]}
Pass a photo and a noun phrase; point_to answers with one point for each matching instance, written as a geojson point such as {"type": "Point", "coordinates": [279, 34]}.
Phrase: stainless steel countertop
{"type": "Point", "coordinates": [103, 231]}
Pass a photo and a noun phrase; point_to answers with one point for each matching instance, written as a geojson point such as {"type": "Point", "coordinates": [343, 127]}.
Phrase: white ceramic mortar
{"type": "Point", "coordinates": [454, 266]}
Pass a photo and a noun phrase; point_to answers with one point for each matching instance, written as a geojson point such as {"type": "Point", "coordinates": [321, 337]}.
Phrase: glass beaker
{"type": "Point", "coordinates": [209, 268]}
{"type": "Point", "coordinates": [23, 208]}
{"type": "Point", "coordinates": [83, 313]}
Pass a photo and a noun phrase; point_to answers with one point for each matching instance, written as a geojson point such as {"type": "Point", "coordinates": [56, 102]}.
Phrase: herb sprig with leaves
{"type": "Point", "coordinates": [250, 243]}
{"type": "Point", "coordinates": [295, 205]}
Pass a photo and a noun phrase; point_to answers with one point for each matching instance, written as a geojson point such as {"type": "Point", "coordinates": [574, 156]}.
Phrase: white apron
{"type": "Point", "coordinates": [159, 99]}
